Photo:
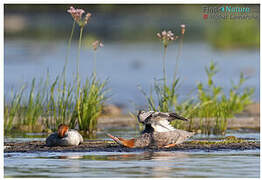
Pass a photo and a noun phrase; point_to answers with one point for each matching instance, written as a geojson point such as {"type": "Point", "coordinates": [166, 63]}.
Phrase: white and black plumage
{"type": "Point", "coordinates": [158, 121]}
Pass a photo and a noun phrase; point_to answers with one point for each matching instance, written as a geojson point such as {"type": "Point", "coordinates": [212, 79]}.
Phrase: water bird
{"type": "Point", "coordinates": [64, 137]}
{"type": "Point", "coordinates": [158, 131]}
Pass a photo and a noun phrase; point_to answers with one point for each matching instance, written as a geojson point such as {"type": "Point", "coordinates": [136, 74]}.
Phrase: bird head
{"type": "Point", "coordinates": [142, 115]}
{"type": "Point", "coordinates": [62, 130]}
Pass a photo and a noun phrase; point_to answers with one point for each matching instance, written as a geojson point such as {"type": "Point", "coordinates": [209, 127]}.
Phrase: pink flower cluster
{"type": "Point", "coordinates": [183, 29]}
{"type": "Point", "coordinates": [77, 15]}
{"type": "Point", "coordinates": [88, 15]}
{"type": "Point", "coordinates": [168, 36]}
{"type": "Point", "coordinates": [97, 44]}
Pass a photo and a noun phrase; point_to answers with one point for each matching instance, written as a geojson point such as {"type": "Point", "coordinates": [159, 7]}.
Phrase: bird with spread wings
{"type": "Point", "coordinates": [158, 131]}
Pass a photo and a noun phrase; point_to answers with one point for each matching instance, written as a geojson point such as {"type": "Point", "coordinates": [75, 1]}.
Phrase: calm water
{"type": "Point", "coordinates": [142, 164]}
{"type": "Point", "coordinates": [244, 164]}
{"type": "Point", "coordinates": [129, 65]}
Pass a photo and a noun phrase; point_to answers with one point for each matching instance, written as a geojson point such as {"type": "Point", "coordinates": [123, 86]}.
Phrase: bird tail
{"type": "Point", "coordinates": [130, 143]}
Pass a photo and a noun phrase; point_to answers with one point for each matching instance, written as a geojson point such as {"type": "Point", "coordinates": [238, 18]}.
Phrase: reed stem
{"type": "Point", "coordinates": [78, 54]}
{"type": "Point", "coordinates": [178, 55]}
{"type": "Point", "coordinates": [95, 63]}
{"type": "Point", "coordinates": [164, 65]}
{"type": "Point", "coordinates": [69, 45]}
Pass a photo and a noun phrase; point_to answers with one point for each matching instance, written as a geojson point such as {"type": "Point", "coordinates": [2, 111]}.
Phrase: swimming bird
{"type": "Point", "coordinates": [64, 137]}
{"type": "Point", "coordinates": [158, 131]}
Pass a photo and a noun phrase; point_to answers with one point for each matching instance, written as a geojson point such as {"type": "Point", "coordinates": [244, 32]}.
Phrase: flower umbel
{"type": "Point", "coordinates": [88, 15]}
{"type": "Point", "coordinates": [166, 36]}
{"type": "Point", "coordinates": [183, 29]}
{"type": "Point", "coordinates": [97, 44]}
{"type": "Point", "coordinates": [77, 16]}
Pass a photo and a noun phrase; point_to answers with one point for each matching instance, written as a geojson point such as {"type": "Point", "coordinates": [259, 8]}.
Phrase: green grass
{"type": "Point", "coordinates": [50, 104]}
{"type": "Point", "coordinates": [89, 105]}
{"type": "Point", "coordinates": [11, 110]}
{"type": "Point", "coordinates": [211, 107]}
{"type": "Point", "coordinates": [79, 103]}
{"type": "Point", "coordinates": [55, 103]}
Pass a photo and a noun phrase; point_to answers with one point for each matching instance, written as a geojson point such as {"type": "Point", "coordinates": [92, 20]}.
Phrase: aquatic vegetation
{"type": "Point", "coordinates": [227, 140]}
{"type": "Point", "coordinates": [79, 103]}
{"type": "Point", "coordinates": [89, 105]}
{"type": "Point", "coordinates": [166, 96]}
{"type": "Point", "coordinates": [77, 16]}
{"type": "Point", "coordinates": [10, 110]}
{"type": "Point", "coordinates": [212, 105]}
{"type": "Point", "coordinates": [91, 96]}
{"type": "Point", "coordinates": [215, 105]}
{"type": "Point", "coordinates": [96, 45]}
{"type": "Point", "coordinates": [32, 109]}
{"type": "Point", "coordinates": [61, 102]}
{"type": "Point", "coordinates": [165, 37]}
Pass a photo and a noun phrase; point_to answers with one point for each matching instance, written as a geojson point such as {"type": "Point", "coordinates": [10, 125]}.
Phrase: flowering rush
{"type": "Point", "coordinates": [183, 29]}
{"type": "Point", "coordinates": [77, 15]}
{"type": "Point", "coordinates": [166, 36]}
{"type": "Point", "coordinates": [97, 44]}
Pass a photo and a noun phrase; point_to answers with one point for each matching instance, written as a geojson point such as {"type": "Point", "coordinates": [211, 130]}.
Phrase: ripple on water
{"type": "Point", "coordinates": [140, 164]}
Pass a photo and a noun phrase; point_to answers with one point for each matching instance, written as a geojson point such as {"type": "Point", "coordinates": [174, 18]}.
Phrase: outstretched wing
{"type": "Point", "coordinates": [169, 116]}
{"type": "Point", "coordinates": [162, 125]}
{"type": "Point", "coordinates": [160, 121]}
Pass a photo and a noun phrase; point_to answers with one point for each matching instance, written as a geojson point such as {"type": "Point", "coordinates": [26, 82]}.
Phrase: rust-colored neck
{"type": "Point", "coordinates": [62, 129]}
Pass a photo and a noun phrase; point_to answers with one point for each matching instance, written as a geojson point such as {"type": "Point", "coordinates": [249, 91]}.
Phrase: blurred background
{"type": "Point", "coordinates": [35, 42]}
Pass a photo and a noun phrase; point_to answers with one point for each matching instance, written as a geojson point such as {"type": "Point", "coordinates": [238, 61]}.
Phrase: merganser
{"type": "Point", "coordinates": [158, 131]}
{"type": "Point", "coordinates": [64, 137]}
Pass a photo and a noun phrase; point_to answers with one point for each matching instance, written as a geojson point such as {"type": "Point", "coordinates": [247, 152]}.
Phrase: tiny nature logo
{"type": "Point", "coordinates": [225, 12]}
{"type": "Point", "coordinates": [205, 16]}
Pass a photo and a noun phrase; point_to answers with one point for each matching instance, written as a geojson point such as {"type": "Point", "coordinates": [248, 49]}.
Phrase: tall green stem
{"type": "Point", "coordinates": [95, 63]}
{"type": "Point", "coordinates": [77, 76]}
{"type": "Point", "coordinates": [178, 55]}
{"type": "Point", "coordinates": [79, 47]}
{"type": "Point", "coordinates": [164, 64]}
{"type": "Point", "coordinates": [69, 44]}
{"type": "Point", "coordinates": [77, 61]}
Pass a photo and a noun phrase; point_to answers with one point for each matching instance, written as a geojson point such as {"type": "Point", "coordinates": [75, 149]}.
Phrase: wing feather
{"type": "Point", "coordinates": [160, 121]}
{"type": "Point", "coordinates": [173, 116]}
{"type": "Point", "coordinates": [162, 126]}
{"type": "Point", "coordinates": [170, 116]}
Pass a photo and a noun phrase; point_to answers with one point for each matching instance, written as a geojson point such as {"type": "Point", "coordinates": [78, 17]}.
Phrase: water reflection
{"type": "Point", "coordinates": [163, 161]}
{"type": "Point", "coordinates": [135, 164]}
{"type": "Point", "coordinates": [156, 156]}
{"type": "Point", "coordinates": [167, 163]}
